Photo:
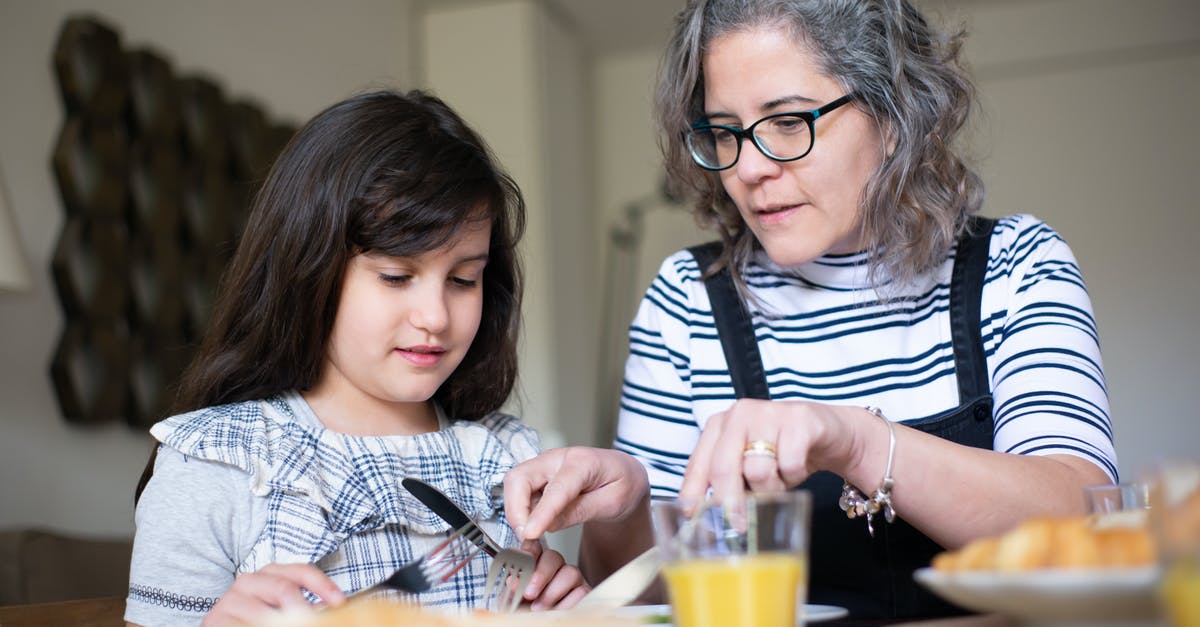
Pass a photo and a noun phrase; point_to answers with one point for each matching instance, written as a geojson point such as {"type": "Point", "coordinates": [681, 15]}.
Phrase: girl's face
{"type": "Point", "coordinates": [802, 209]}
{"type": "Point", "coordinates": [403, 325]}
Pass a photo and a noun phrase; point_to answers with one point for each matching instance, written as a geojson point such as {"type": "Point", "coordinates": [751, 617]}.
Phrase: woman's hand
{"type": "Point", "coordinates": [566, 486]}
{"type": "Point", "coordinates": [555, 584]}
{"type": "Point", "coordinates": [796, 438]}
{"type": "Point", "coordinates": [275, 586]}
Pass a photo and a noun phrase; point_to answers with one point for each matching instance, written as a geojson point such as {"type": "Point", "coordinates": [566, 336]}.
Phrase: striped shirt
{"type": "Point", "coordinates": [240, 486]}
{"type": "Point", "coordinates": [826, 335]}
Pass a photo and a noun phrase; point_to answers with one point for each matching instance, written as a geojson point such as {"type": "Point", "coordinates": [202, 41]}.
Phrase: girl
{"type": "Point", "coordinates": [857, 331]}
{"type": "Point", "coordinates": [365, 332]}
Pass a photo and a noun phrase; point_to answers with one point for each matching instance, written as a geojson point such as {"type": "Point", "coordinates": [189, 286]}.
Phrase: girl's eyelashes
{"type": "Point", "coordinates": [401, 279]}
{"type": "Point", "coordinates": [394, 279]}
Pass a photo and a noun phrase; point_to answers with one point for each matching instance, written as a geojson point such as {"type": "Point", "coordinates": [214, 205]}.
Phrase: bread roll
{"type": "Point", "coordinates": [1074, 542]}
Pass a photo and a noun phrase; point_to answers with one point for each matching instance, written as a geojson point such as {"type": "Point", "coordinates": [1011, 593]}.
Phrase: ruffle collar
{"type": "Point", "coordinates": [354, 480]}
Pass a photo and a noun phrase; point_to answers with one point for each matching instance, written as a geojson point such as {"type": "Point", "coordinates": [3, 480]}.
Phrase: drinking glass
{"type": "Point", "coordinates": [1175, 521]}
{"type": "Point", "coordinates": [1120, 497]}
{"type": "Point", "coordinates": [741, 563]}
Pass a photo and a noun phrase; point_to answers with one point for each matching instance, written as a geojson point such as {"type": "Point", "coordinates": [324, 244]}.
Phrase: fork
{"type": "Point", "coordinates": [435, 567]}
{"type": "Point", "coordinates": [507, 578]}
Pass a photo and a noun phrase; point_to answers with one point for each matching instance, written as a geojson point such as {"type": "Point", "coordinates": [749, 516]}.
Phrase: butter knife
{"type": "Point", "coordinates": [624, 585]}
{"type": "Point", "coordinates": [448, 511]}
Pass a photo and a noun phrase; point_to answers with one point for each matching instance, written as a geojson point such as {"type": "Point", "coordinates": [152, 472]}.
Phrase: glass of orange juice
{"type": "Point", "coordinates": [742, 563]}
{"type": "Point", "coordinates": [1175, 519]}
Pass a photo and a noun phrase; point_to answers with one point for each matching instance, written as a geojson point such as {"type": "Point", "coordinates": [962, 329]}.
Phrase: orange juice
{"type": "Point", "coordinates": [759, 590]}
{"type": "Point", "coordinates": [1181, 592]}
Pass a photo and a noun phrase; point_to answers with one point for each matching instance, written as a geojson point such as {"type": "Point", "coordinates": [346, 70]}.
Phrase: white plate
{"type": "Point", "coordinates": [813, 613]}
{"type": "Point", "coordinates": [1052, 596]}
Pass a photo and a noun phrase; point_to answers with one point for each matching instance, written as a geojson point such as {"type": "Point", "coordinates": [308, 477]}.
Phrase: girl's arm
{"type": "Point", "coordinates": [187, 539]}
{"type": "Point", "coordinates": [192, 531]}
{"type": "Point", "coordinates": [255, 595]}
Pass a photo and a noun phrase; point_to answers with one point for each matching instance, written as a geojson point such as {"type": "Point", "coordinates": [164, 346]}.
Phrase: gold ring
{"type": "Point", "coordinates": [759, 448]}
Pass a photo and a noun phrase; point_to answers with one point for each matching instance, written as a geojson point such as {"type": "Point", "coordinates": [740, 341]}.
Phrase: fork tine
{"type": "Point", "coordinates": [507, 579]}
{"type": "Point", "coordinates": [492, 595]}
{"type": "Point", "coordinates": [453, 558]}
{"type": "Point", "coordinates": [436, 566]}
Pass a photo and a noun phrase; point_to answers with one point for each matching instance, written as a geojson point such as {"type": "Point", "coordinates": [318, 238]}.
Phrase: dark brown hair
{"type": "Point", "coordinates": [384, 172]}
{"type": "Point", "coordinates": [903, 72]}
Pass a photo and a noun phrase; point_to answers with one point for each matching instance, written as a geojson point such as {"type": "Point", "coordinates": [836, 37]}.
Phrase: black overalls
{"type": "Point", "coordinates": [872, 577]}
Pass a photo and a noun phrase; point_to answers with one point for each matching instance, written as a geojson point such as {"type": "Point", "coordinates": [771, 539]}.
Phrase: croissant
{"type": "Point", "coordinates": [1067, 542]}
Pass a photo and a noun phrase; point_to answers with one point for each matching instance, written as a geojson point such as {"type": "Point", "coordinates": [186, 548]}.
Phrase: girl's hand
{"type": "Point", "coordinates": [555, 584]}
{"type": "Point", "coordinates": [805, 436]}
{"type": "Point", "coordinates": [563, 487]}
{"type": "Point", "coordinates": [276, 586]}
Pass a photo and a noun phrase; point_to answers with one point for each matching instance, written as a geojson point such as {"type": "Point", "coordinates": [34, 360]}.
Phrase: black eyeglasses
{"type": "Point", "coordinates": [780, 136]}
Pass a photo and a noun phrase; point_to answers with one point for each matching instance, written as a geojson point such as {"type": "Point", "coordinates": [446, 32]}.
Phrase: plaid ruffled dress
{"type": "Point", "coordinates": [307, 495]}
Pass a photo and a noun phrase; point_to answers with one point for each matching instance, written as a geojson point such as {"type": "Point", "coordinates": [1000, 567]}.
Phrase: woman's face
{"type": "Point", "coordinates": [404, 324]}
{"type": "Point", "coordinates": [801, 209]}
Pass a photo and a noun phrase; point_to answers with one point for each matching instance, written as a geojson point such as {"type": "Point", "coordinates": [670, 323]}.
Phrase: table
{"type": "Point", "coordinates": [981, 620]}
{"type": "Point", "coordinates": [102, 612]}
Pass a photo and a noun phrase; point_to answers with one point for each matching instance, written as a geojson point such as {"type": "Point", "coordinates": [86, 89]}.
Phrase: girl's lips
{"type": "Point", "coordinates": [421, 355]}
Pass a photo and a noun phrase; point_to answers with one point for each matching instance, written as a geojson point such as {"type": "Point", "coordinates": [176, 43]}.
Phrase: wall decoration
{"type": "Point", "coordinates": [155, 172]}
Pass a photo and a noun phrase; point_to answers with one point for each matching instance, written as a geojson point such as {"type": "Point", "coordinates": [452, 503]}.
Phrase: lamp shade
{"type": "Point", "coordinates": [14, 272]}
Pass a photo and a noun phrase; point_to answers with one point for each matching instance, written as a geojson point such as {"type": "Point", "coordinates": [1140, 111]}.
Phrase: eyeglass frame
{"type": "Point", "coordinates": [742, 134]}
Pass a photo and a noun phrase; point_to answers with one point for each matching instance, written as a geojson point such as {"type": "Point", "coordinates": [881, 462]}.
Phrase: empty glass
{"type": "Point", "coordinates": [1107, 498]}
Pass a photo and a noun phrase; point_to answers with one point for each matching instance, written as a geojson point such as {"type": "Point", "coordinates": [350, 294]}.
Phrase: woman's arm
{"type": "Point", "coordinates": [952, 493]}
{"type": "Point", "coordinates": [1052, 433]}
{"type": "Point", "coordinates": [603, 488]}
{"type": "Point", "coordinates": [607, 546]}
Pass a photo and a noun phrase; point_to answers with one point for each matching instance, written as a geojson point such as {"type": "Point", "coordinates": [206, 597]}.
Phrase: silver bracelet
{"type": "Point", "coordinates": [856, 504]}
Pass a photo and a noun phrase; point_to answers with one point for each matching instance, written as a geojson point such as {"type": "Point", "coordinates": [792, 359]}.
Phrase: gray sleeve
{"type": "Point", "coordinates": [195, 521]}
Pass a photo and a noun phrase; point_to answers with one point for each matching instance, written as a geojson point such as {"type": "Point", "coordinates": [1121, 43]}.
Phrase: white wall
{"type": "Point", "coordinates": [628, 177]}
{"type": "Point", "coordinates": [529, 96]}
{"type": "Point", "coordinates": [1089, 121]}
{"type": "Point", "coordinates": [293, 57]}
{"type": "Point", "coordinates": [500, 95]}
{"type": "Point", "coordinates": [568, 159]}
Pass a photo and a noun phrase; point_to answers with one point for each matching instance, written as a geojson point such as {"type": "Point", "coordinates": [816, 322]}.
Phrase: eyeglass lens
{"type": "Point", "coordinates": [781, 137]}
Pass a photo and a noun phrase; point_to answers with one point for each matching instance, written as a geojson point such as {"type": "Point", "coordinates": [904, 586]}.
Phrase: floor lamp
{"type": "Point", "coordinates": [14, 272]}
{"type": "Point", "coordinates": [621, 296]}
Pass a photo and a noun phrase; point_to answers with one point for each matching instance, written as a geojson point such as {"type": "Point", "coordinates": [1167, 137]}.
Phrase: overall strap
{"type": "Point", "coordinates": [734, 327]}
{"type": "Point", "coordinates": [966, 292]}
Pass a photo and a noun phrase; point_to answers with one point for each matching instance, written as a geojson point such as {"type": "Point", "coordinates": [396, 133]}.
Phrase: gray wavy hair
{"type": "Point", "coordinates": [905, 75]}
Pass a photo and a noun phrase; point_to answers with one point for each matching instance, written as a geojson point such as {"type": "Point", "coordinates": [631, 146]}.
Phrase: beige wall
{"type": "Point", "coordinates": [294, 58]}
{"type": "Point", "coordinates": [1087, 122]}
{"type": "Point", "coordinates": [529, 97]}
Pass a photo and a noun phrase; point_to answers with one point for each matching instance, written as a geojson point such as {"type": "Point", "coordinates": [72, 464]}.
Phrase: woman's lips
{"type": "Point", "coordinates": [422, 355]}
{"type": "Point", "coordinates": [775, 215]}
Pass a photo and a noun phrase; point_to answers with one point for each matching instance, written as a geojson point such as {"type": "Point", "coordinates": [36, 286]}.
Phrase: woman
{"type": "Point", "coordinates": [934, 373]}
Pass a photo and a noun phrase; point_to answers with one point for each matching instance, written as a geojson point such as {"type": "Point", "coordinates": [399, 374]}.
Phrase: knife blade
{"type": "Point", "coordinates": [448, 511]}
{"type": "Point", "coordinates": [624, 585]}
